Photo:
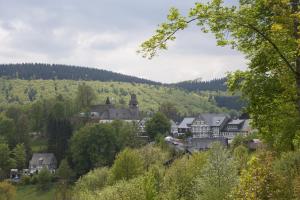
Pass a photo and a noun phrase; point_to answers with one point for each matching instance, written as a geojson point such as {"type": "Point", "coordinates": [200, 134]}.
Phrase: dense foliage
{"type": "Point", "coordinates": [96, 145]}
{"type": "Point", "coordinates": [267, 32]}
{"type": "Point", "coordinates": [211, 85]}
{"type": "Point", "coordinates": [158, 125]}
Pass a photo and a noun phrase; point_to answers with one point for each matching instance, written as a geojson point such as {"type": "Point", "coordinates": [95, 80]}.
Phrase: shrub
{"type": "Point", "coordinates": [92, 181]}
{"type": "Point", "coordinates": [44, 179]}
{"type": "Point", "coordinates": [33, 179]}
{"type": "Point", "coordinates": [128, 165]}
{"type": "Point", "coordinates": [25, 180]}
{"type": "Point", "coordinates": [7, 191]}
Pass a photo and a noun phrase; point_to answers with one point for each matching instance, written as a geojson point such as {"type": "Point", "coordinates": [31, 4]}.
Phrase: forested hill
{"type": "Point", "coordinates": [30, 71]}
{"type": "Point", "coordinates": [212, 85]}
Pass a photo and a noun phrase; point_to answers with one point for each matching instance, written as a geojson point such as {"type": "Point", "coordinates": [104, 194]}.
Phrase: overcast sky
{"type": "Point", "coordinates": [106, 34]}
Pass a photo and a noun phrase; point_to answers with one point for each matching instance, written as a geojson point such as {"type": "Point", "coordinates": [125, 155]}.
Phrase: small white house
{"type": "Point", "coordinates": [42, 160]}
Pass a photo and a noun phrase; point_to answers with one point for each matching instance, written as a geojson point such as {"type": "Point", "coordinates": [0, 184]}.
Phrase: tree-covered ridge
{"type": "Point", "coordinates": [32, 71]}
{"type": "Point", "coordinates": [211, 85]}
{"type": "Point", "coordinates": [29, 71]}
{"type": "Point", "coordinates": [17, 91]}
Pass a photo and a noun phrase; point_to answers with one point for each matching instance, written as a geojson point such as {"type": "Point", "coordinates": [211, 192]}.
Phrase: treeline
{"type": "Point", "coordinates": [212, 85]}
{"type": "Point", "coordinates": [29, 71]}
{"type": "Point", "coordinates": [230, 102]}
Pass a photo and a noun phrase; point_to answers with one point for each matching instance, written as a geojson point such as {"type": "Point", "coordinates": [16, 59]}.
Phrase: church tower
{"type": "Point", "coordinates": [133, 101]}
{"type": "Point", "coordinates": [133, 106]}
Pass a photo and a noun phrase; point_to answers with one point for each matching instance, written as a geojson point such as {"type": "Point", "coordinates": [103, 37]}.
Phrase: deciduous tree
{"type": "Point", "coordinates": [85, 96]}
{"type": "Point", "coordinates": [267, 32]}
{"type": "Point", "coordinates": [219, 175]}
{"type": "Point", "coordinates": [94, 145]}
{"type": "Point", "coordinates": [159, 124]}
{"type": "Point", "coordinates": [128, 165]}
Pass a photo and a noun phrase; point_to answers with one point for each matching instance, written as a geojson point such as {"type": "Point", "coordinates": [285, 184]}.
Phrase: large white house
{"type": "Point", "coordinates": [214, 125]}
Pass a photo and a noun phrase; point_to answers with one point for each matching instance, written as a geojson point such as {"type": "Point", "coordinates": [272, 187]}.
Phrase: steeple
{"type": "Point", "coordinates": [133, 101]}
{"type": "Point", "coordinates": [107, 102]}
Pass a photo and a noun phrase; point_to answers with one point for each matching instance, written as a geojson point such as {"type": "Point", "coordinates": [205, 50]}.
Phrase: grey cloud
{"type": "Point", "coordinates": [104, 33]}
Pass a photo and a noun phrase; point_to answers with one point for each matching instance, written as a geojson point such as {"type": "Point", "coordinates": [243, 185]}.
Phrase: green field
{"type": "Point", "coordinates": [29, 192]}
{"type": "Point", "coordinates": [16, 91]}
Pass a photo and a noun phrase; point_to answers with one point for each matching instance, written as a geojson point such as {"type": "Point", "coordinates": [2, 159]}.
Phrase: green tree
{"type": "Point", "coordinates": [19, 153]}
{"type": "Point", "coordinates": [153, 156]}
{"type": "Point", "coordinates": [7, 129]}
{"type": "Point", "coordinates": [180, 179]}
{"type": "Point", "coordinates": [258, 181]}
{"type": "Point", "coordinates": [93, 145]}
{"type": "Point", "coordinates": [21, 126]}
{"type": "Point", "coordinates": [219, 175]}
{"type": "Point", "coordinates": [159, 124]}
{"type": "Point", "coordinates": [6, 162]}
{"type": "Point", "coordinates": [151, 184]}
{"type": "Point", "coordinates": [85, 96]}
{"type": "Point", "coordinates": [241, 156]}
{"type": "Point", "coordinates": [267, 32]}
{"type": "Point", "coordinates": [59, 131]}
{"type": "Point", "coordinates": [125, 134]}
{"type": "Point", "coordinates": [94, 180]}
{"type": "Point", "coordinates": [288, 166]}
{"type": "Point", "coordinates": [128, 165]}
{"type": "Point", "coordinates": [64, 174]}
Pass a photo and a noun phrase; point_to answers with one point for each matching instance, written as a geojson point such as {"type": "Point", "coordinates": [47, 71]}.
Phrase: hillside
{"type": "Point", "coordinates": [32, 71]}
{"type": "Point", "coordinates": [149, 96]}
{"type": "Point", "coordinates": [29, 71]}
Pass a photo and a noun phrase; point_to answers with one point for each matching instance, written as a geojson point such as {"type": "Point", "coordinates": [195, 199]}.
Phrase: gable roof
{"type": "Point", "coordinates": [213, 119]}
{"type": "Point", "coordinates": [46, 158]}
{"type": "Point", "coordinates": [186, 121]}
{"type": "Point", "coordinates": [110, 112]}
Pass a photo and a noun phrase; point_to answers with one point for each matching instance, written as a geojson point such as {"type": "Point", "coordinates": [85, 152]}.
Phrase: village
{"type": "Point", "coordinates": [191, 134]}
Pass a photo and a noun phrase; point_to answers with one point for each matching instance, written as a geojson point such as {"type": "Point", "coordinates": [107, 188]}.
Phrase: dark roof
{"type": "Point", "coordinates": [186, 121]}
{"type": "Point", "coordinates": [110, 112]}
{"type": "Point", "coordinates": [46, 158]}
{"type": "Point", "coordinates": [213, 119]}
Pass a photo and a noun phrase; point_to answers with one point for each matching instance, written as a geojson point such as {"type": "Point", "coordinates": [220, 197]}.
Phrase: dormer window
{"type": "Point", "coordinates": [41, 161]}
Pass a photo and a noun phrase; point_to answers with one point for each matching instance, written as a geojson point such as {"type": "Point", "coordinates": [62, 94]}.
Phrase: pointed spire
{"type": "Point", "coordinates": [133, 101]}
{"type": "Point", "coordinates": [107, 102]}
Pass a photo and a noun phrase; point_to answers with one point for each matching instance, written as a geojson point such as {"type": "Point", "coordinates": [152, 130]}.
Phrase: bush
{"type": "Point", "coordinates": [33, 179]}
{"type": "Point", "coordinates": [123, 190]}
{"type": "Point", "coordinates": [44, 179]}
{"type": "Point", "coordinates": [7, 191]}
{"type": "Point", "coordinates": [92, 181]}
{"type": "Point", "coordinates": [128, 165]}
{"type": "Point", "coordinates": [25, 180]}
